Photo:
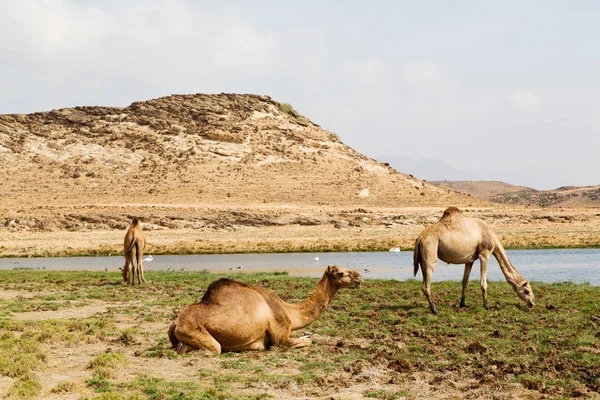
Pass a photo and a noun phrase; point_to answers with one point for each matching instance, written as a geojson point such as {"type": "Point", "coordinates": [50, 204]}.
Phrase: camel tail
{"type": "Point", "coordinates": [417, 256]}
{"type": "Point", "coordinates": [172, 338]}
{"type": "Point", "coordinates": [130, 247]}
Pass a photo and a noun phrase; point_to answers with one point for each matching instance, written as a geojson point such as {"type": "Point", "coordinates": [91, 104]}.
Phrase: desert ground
{"type": "Point", "coordinates": [184, 229]}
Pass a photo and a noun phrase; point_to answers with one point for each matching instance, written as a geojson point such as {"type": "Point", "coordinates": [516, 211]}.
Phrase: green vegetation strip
{"type": "Point", "coordinates": [379, 335]}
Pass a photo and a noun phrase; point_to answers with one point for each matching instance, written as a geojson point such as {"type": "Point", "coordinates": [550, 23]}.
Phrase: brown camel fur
{"type": "Point", "coordinates": [134, 245]}
{"type": "Point", "coordinates": [458, 239]}
{"type": "Point", "coordinates": [235, 316]}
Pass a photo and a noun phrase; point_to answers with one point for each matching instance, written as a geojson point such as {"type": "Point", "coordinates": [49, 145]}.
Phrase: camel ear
{"type": "Point", "coordinates": [332, 269]}
{"type": "Point", "coordinates": [525, 284]}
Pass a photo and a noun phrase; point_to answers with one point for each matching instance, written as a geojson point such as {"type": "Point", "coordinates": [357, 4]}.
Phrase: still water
{"type": "Point", "coordinates": [574, 265]}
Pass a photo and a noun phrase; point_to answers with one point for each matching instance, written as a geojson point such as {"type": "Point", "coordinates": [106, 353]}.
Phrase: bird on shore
{"type": "Point", "coordinates": [367, 270]}
{"type": "Point", "coordinates": [105, 269]}
{"type": "Point", "coordinates": [182, 269]}
{"type": "Point", "coordinates": [148, 259]}
{"type": "Point", "coordinates": [169, 269]}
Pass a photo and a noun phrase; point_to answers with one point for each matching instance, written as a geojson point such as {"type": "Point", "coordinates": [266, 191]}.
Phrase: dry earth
{"type": "Point", "coordinates": [500, 192]}
{"type": "Point", "coordinates": [213, 229]}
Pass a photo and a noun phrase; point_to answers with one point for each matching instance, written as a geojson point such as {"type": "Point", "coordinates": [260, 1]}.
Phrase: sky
{"type": "Point", "coordinates": [504, 90]}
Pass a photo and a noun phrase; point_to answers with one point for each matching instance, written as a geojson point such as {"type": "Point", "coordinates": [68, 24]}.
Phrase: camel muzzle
{"type": "Point", "coordinates": [358, 284]}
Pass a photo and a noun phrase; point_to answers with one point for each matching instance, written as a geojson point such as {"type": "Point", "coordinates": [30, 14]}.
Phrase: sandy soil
{"type": "Point", "coordinates": [208, 229]}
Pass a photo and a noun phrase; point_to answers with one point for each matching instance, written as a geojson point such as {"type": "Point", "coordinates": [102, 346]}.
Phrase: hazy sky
{"type": "Point", "coordinates": [508, 90]}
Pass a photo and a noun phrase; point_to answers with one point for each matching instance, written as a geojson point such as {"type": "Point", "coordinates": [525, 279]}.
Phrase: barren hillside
{"type": "Point", "coordinates": [500, 192]}
{"type": "Point", "coordinates": [481, 189]}
{"type": "Point", "coordinates": [193, 149]}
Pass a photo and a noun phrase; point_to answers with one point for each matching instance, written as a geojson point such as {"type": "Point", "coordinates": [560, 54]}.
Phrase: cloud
{"type": "Point", "coordinates": [422, 74]}
{"type": "Point", "coordinates": [241, 46]}
{"type": "Point", "coordinates": [525, 99]}
{"type": "Point", "coordinates": [367, 71]}
{"type": "Point", "coordinates": [74, 53]}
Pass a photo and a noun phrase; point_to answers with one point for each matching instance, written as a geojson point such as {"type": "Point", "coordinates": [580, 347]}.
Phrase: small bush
{"type": "Point", "coordinates": [287, 108]}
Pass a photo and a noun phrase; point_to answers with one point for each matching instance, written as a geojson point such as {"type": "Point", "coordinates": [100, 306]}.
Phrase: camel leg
{"type": "Point", "coordinates": [257, 345]}
{"type": "Point", "coordinates": [465, 282]}
{"type": "Point", "coordinates": [130, 269]}
{"type": "Point", "coordinates": [191, 338]}
{"type": "Point", "coordinates": [280, 335]}
{"type": "Point", "coordinates": [484, 260]}
{"type": "Point", "coordinates": [140, 271]}
{"type": "Point", "coordinates": [426, 288]}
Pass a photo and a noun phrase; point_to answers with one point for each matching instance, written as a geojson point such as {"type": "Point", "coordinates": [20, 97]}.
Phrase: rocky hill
{"type": "Point", "coordinates": [500, 192]}
{"type": "Point", "coordinates": [193, 149]}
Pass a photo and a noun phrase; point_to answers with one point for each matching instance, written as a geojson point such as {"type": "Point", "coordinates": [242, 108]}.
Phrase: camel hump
{"type": "Point", "coordinates": [212, 292]}
{"type": "Point", "coordinates": [451, 210]}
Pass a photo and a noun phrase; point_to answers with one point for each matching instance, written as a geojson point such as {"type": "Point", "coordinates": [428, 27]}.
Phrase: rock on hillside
{"type": "Point", "coordinates": [193, 149]}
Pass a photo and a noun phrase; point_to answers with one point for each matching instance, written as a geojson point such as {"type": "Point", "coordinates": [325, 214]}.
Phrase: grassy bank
{"type": "Point", "coordinates": [85, 335]}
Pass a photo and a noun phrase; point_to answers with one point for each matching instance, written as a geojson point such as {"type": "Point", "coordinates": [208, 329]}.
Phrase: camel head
{"type": "Point", "coordinates": [342, 278]}
{"type": "Point", "coordinates": [525, 293]}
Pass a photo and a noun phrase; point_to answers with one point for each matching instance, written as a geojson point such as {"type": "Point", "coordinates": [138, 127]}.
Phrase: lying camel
{"type": "Point", "coordinates": [457, 239]}
{"type": "Point", "coordinates": [134, 245]}
{"type": "Point", "coordinates": [235, 316]}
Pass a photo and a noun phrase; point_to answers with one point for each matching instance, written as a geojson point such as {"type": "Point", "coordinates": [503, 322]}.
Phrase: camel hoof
{"type": "Point", "coordinates": [434, 309]}
{"type": "Point", "coordinates": [462, 303]}
{"type": "Point", "coordinates": [485, 305]}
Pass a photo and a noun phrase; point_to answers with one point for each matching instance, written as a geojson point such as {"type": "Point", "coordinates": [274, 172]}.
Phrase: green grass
{"type": "Point", "coordinates": [384, 326]}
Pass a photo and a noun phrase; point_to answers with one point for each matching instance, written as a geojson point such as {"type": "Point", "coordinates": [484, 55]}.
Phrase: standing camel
{"type": "Point", "coordinates": [235, 316]}
{"type": "Point", "coordinates": [457, 239]}
{"type": "Point", "coordinates": [134, 245]}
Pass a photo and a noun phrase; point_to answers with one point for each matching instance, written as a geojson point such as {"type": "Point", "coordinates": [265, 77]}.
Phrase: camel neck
{"type": "Point", "coordinates": [513, 277]}
{"type": "Point", "coordinates": [309, 310]}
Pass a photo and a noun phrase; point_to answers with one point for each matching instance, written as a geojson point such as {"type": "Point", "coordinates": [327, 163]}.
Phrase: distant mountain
{"type": "Point", "coordinates": [482, 189]}
{"type": "Point", "coordinates": [500, 192]}
{"type": "Point", "coordinates": [428, 168]}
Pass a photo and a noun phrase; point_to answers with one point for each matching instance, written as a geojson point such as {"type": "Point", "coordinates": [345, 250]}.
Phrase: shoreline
{"type": "Point", "coordinates": [98, 253]}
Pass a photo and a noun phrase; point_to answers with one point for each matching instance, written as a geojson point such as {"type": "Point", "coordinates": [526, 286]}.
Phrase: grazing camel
{"type": "Point", "coordinates": [134, 245]}
{"type": "Point", "coordinates": [457, 239]}
{"type": "Point", "coordinates": [235, 316]}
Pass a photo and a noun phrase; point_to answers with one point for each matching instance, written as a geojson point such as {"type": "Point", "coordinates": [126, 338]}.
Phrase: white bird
{"type": "Point", "coordinates": [169, 269]}
{"type": "Point", "coordinates": [232, 268]}
{"type": "Point", "coordinates": [316, 259]}
{"type": "Point", "coordinates": [240, 267]}
{"type": "Point", "coordinates": [148, 259]}
{"type": "Point", "coordinates": [395, 249]}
